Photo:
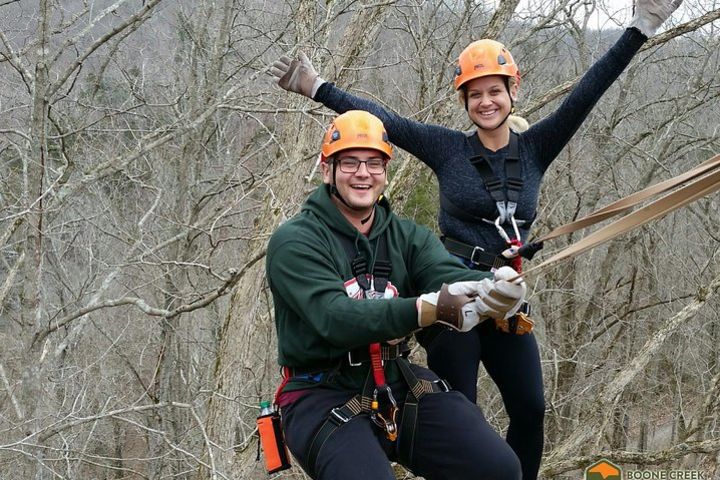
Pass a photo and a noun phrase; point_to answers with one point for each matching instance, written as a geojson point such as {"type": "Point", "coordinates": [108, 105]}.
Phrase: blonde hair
{"type": "Point", "coordinates": [517, 123]}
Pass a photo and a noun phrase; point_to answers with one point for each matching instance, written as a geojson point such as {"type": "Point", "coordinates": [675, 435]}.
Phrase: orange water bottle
{"type": "Point", "coordinates": [272, 439]}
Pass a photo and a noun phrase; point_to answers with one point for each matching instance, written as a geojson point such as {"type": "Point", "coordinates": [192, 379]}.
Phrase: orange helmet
{"type": "Point", "coordinates": [355, 129]}
{"type": "Point", "coordinates": [483, 58]}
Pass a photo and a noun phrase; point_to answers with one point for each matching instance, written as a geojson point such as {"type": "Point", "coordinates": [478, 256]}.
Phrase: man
{"type": "Point", "coordinates": [349, 281]}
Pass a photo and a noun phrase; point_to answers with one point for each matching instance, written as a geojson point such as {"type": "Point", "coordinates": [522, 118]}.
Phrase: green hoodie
{"type": "Point", "coordinates": [310, 276]}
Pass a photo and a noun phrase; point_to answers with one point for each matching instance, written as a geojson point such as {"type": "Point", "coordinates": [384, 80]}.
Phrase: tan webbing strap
{"type": "Point", "coordinates": [630, 201]}
{"type": "Point", "coordinates": [699, 188]}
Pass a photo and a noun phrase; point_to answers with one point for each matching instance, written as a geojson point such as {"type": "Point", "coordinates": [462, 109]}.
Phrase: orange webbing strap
{"type": "Point", "coordinates": [700, 187]}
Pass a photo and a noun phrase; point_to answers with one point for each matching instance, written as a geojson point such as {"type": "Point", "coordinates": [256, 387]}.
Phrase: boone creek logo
{"type": "Point", "coordinates": [603, 470]}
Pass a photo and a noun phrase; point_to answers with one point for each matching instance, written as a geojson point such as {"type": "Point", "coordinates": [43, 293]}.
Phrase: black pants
{"type": "Point", "coordinates": [452, 440]}
{"type": "Point", "coordinates": [513, 362]}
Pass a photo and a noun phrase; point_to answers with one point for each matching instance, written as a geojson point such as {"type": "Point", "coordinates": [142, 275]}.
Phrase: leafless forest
{"type": "Point", "coordinates": [145, 157]}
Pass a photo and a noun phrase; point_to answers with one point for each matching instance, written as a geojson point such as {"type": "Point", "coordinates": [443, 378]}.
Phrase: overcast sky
{"type": "Point", "coordinates": [617, 13]}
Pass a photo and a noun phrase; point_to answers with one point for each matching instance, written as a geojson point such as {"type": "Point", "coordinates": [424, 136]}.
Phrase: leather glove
{"type": "Point", "coordinates": [501, 298]}
{"type": "Point", "coordinates": [456, 306]}
{"type": "Point", "coordinates": [296, 75]}
{"type": "Point", "coordinates": [648, 15]}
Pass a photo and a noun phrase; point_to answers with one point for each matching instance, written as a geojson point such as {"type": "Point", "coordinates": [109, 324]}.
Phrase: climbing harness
{"type": "Point", "coordinates": [376, 398]}
{"type": "Point", "coordinates": [362, 404]}
{"type": "Point", "coordinates": [383, 407]}
{"type": "Point", "coordinates": [505, 202]}
{"type": "Point", "coordinates": [506, 196]}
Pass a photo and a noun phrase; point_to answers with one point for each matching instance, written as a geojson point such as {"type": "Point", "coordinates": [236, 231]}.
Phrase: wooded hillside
{"type": "Point", "coordinates": [146, 157]}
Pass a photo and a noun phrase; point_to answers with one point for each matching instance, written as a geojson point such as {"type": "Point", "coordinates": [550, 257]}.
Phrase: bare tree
{"type": "Point", "coordinates": [146, 158]}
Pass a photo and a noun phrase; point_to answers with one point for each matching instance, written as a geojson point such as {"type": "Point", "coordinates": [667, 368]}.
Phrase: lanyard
{"type": "Point", "coordinates": [703, 180]}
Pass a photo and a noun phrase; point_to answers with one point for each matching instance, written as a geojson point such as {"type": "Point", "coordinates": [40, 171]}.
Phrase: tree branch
{"type": "Point", "coordinates": [42, 437]}
{"type": "Point", "coordinates": [608, 398]}
{"type": "Point", "coordinates": [140, 303]}
{"type": "Point", "coordinates": [133, 21]}
{"type": "Point", "coordinates": [500, 18]}
{"type": "Point", "coordinates": [563, 88]}
{"type": "Point", "coordinates": [682, 29]}
{"type": "Point", "coordinates": [636, 458]}
{"type": "Point", "coordinates": [11, 395]}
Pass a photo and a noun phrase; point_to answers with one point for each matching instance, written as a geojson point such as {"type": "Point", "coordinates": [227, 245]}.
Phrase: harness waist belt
{"type": "Point", "coordinates": [476, 255]}
{"type": "Point", "coordinates": [361, 355]}
{"type": "Point", "coordinates": [355, 358]}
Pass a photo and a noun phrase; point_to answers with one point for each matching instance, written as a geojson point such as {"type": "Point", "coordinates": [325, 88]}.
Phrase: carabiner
{"type": "Point", "coordinates": [386, 422]}
{"type": "Point", "coordinates": [515, 227]}
{"type": "Point", "coordinates": [501, 230]}
{"type": "Point", "coordinates": [389, 424]}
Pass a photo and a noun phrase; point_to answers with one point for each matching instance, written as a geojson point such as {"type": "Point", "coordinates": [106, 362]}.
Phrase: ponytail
{"type": "Point", "coordinates": [517, 123]}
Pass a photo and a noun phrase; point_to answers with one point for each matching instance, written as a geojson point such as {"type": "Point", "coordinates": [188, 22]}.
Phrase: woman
{"type": "Point", "coordinates": [489, 182]}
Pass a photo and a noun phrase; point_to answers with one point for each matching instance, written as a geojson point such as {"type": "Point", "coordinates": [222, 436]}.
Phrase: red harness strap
{"type": "Point", "coordinates": [286, 374]}
{"type": "Point", "coordinates": [385, 416]}
{"type": "Point", "coordinates": [377, 365]}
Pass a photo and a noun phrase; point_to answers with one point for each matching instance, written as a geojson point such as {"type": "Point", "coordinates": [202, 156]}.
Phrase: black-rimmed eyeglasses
{"type": "Point", "coordinates": [374, 166]}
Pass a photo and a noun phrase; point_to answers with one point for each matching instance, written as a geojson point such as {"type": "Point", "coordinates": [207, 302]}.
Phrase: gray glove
{"type": "Point", "coordinates": [462, 305]}
{"type": "Point", "coordinates": [648, 15]}
{"type": "Point", "coordinates": [501, 298]}
{"type": "Point", "coordinates": [453, 306]}
{"type": "Point", "coordinates": [297, 75]}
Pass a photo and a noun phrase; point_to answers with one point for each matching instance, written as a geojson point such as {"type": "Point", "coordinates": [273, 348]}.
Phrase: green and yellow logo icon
{"type": "Point", "coordinates": [603, 470]}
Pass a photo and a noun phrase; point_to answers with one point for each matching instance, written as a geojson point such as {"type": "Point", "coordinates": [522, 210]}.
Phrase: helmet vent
{"type": "Point", "coordinates": [501, 59]}
{"type": "Point", "coordinates": [335, 136]}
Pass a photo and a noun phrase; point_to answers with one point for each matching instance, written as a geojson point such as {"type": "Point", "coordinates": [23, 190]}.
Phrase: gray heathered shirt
{"type": "Point", "coordinates": [447, 151]}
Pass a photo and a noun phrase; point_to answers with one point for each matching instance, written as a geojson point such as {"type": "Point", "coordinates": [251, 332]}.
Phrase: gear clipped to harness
{"type": "Point", "coordinates": [383, 408]}
{"type": "Point", "coordinates": [506, 204]}
{"type": "Point", "coordinates": [272, 439]}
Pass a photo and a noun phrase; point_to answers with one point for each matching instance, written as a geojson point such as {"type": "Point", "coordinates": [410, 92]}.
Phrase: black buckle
{"type": "Point", "coordinates": [514, 182]}
{"type": "Point", "coordinates": [472, 255]}
{"type": "Point", "coordinates": [493, 184]}
{"type": "Point", "coordinates": [441, 384]}
{"type": "Point", "coordinates": [338, 416]}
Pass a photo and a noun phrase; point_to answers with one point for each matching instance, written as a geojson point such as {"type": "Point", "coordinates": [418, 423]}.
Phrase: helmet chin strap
{"type": "Point", "coordinates": [366, 219]}
{"type": "Point", "coordinates": [334, 191]}
{"type": "Point", "coordinates": [333, 186]}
